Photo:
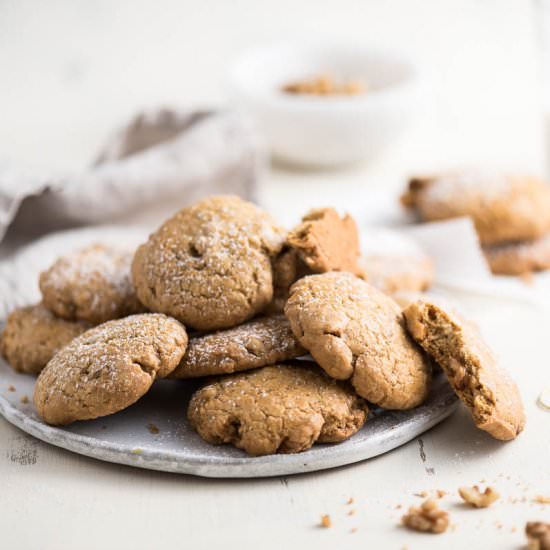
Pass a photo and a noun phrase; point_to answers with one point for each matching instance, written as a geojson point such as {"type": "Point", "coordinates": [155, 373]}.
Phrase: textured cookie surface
{"type": "Point", "coordinates": [392, 274]}
{"type": "Point", "coordinates": [210, 265]}
{"type": "Point", "coordinates": [470, 366]}
{"type": "Point", "coordinates": [326, 242]}
{"type": "Point", "coordinates": [33, 335]}
{"type": "Point", "coordinates": [520, 257]}
{"type": "Point", "coordinates": [260, 342]}
{"type": "Point", "coordinates": [92, 284]}
{"type": "Point", "coordinates": [108, 368]}
{"type": "Point", "coordinates": [503, 208]}
{"type": "Point", "coordinates": [280, 408]}
{"type": "Point", "coordinates": [354, 331]}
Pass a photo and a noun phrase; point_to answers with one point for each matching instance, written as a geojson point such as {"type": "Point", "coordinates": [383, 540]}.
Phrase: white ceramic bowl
{"type": "Point", "coordinates": [320, 130]}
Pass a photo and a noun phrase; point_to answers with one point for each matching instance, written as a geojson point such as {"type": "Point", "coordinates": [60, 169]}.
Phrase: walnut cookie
{"type": "Point", "coordinates": [457, 346]}
{"type": "Point", "coordinates": [260, 342]}
{"type": "Point", "coordinates": [33, 335]}
{"type": "Point", "coordinates": [108, 368]}
{"type": "Point", "coordinates": [503, 208]}
{"type": "Point", "coordinates": [92, 284]}
{"type": "Point", "coordinates": [210, 265]}
{"type": "Point", "coordinates": [280, 408]}
{"type": "Point", "coordinates": [355, 331]}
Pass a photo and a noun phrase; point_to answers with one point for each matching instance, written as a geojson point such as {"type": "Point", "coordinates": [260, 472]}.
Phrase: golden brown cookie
{"type": "Point", "coordinates": [108, 368]}
{"type": "Point", "coordinates": [326, 242]}
{"type": "Point", "coordinates": [92, 284]}
{"type": "Point", "coordinates": [503, 208]}
{"type": "Point", "coordinates": [457, 346]}
{"type": "Point", "coordinates": [355, 331]}
{"type": "Point", "coordinates": [277, 409]}
{"type": "Point", "coordinates": [33, 335]}
{"type": "Point", "coordinates": [519, 257]}
{"type": "Point", "coordinates": [210, 265]}
{"type": "Point", "coordinates": [392, 274]}
{"type": "Point", "coordinates": [263, 341]}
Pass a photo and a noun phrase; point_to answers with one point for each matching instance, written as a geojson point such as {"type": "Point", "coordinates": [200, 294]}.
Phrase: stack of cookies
{"type": "Point", "coordinates": [292, 343]}
{"type": "Point", "coordinates": [511, 214]}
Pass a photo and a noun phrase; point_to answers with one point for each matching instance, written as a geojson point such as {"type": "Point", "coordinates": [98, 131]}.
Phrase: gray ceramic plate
{"type": "Point", "coordinates": [127, 438]}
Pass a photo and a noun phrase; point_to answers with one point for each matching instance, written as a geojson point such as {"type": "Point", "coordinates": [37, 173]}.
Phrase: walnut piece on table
{"type": "Point", "coordinates": [474, 497]}
{"type": "Point", "coordinates": [538, 535]}
{"type": "Point", "coordinates": [429, 518]}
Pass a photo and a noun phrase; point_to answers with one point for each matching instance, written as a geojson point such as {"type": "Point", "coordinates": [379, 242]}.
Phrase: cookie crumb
{"type": "Point", "coordinates": [351, 512]}
{"type": "Point", "coordinates": [24, 399]}
{"type": "Point", "coordinates": [398, 506]}
{"type": "Point", "coordinates": [543, 400]}
{"type": "Point", "coordinates": [350, 500]}
{"type": "Point", "coordinates": [427, 519]}
{"type": "Point", "coordinates": [538, 535]}
{"type": "Point", "coordinates": [421, 494]}
{"type": "Point", "coordinates": [325, 521]}
{"type": "Point", "coordinates": [440, 493]}
{"type": "Point", "coordinates": [11, 388]}
{"type": "Point", "coordinates": [153, 428]}
{"type": "Point", "coordinates": [474, 497]}
{"type": "Point", "coordinates": [542, 499]}
{"type": "Point", "coordinates": [354, 530]}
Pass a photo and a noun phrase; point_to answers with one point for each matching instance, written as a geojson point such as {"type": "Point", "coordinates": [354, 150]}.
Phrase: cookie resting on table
{"type": "Point", "coordinates": [502, 207]}
{"type": "Point", "coordinates": [457, 346]}
{"type": "Point", "coordinates": [277, 409]}
{"type": "Point", "coordinates": [354, 331]}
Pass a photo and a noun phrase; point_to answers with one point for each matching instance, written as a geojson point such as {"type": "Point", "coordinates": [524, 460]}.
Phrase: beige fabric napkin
{"type": "Point", "coordinates": [162, 159]}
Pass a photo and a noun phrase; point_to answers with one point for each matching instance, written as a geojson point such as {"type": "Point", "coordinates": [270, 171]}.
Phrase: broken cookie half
{"type": "Point", "coordinates": [486, 389]}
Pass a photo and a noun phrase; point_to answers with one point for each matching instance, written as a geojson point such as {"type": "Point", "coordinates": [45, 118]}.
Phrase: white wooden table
{"type": "Point", "coordinates": [72, 69]}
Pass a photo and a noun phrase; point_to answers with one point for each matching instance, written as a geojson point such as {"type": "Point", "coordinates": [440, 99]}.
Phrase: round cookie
{"type": "Point", "coordinates": [519, 257]}
{"type": "Point", "coordinates": [260, 342]}
{"type": "Point", "coordinates": [92, 284]}
{"type": "Point", "coordinates": [354, 331]}
{"type": "Point", "coordinates": [281, 408]}
{"type": "Point", "coordinates": [457, 346]}
{"type": "Point", "coordinates": [33, 335]}
{"type": "Point", "coordinates": [392, 274]}
{"type": "Point", "coordinates": [503, 208]}
{"type": "Point", "coordinates": [108, 368]}
{"type": "Point", "coordinates": [210, 264]}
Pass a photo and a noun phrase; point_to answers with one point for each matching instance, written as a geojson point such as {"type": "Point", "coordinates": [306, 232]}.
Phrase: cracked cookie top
{"type": "Point", "coordinates": [263, 341]}
{"type": "Point", "coordinates": [502, 207]}
{"type": "Point", "coordinates": [33, 335]}
{"type": "Point", "coordinates": [281, 408]}
{"type": "Point", "coordinates": [210, 265]}
{"type": "Point", "coordinates": [92, 284]}
{"type": "Point", "coordinates": [457, 346]}
{"type": "Point", "coordinates": [356, 332]}
{"type": "Point", "coordinates": [108, 368]}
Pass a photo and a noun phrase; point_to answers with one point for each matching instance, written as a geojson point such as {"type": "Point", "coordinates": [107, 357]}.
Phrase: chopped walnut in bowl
{"type": "Point", "coordinates": [474, 497]}
{"type": "Point", "coordinates": [429, 518]}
